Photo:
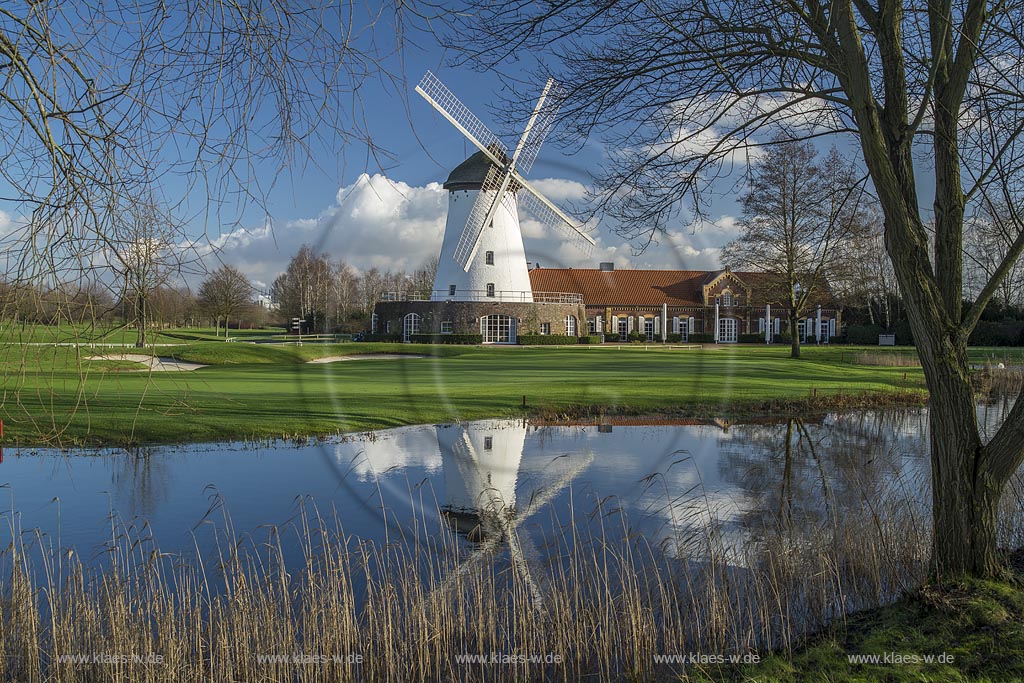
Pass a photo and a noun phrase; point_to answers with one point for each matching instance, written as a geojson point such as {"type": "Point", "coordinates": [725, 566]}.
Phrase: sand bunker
{"type": "Point", "coordinates": [366, 356]}
{"type": "Point", "coordinates": [154, 363]}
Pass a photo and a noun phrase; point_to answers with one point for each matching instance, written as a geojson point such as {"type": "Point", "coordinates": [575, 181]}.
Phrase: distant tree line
{"type": "Point", "coordinates": [332, 296]}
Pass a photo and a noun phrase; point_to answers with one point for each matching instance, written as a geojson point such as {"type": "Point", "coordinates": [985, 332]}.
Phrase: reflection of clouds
{"type": "Point", "coordinates": [374, 455]}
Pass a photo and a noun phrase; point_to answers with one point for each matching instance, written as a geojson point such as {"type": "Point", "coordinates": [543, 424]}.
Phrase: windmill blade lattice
{"type": "Point", "coordinates": [445, 101]}
{"type": "Point", "coordinates": [480, 215]}
{"type": "Point", "coordinates": [542, 125]}
{"type": "Point", "coordinates": [549, 218]}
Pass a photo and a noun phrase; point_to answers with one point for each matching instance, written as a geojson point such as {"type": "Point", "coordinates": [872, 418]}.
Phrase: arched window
{"type": "Point", "coordinates": [410, 326]}
{"type": "Point", "coordinates": [727, 298]}
{"type": "Point", "coordinates": [490, 289]}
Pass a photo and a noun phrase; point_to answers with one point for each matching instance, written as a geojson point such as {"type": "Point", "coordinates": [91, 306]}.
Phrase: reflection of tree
{"type": "Point", "coordinates": [143, 477]}
{"type": "Point", "coordinates": [801, 476]}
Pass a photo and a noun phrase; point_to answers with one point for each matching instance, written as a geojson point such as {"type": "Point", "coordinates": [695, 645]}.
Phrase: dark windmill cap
{"type": "Point", "coordinates": [470, 174]}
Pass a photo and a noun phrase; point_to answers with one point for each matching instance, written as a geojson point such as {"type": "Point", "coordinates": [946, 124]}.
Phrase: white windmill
{"type": "Point", "coordinates": [482, 255]}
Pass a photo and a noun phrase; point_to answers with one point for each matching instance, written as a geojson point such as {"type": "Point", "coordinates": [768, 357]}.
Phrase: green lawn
{"type": "Point", "coordinates": [104, 333]}
{"type": "Point", "coordinates": [973, 631]}
{"type": "Point", "coordinates": [262, 390]}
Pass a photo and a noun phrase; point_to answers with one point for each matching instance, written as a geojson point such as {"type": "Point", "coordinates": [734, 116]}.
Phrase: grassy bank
{"type": "Point", "coordinates": [967, 632]}
{"type": "Point", "coordinates": [269, 391]}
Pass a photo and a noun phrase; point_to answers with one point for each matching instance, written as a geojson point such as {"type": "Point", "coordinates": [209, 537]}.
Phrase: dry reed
{"type": "Point", "coordinates": [611, 601]}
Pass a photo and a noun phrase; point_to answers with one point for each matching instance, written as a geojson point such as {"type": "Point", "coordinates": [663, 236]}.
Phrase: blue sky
{"type": "Point", "coordinates": [389, 212]}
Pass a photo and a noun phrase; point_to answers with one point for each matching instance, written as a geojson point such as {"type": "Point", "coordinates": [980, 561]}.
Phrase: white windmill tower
{"type": "Point", "coordinates": [482, 256]}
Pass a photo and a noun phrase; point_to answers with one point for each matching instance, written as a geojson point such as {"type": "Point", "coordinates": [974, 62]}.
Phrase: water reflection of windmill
{"type": "Point", "coordinates": [481, 470]}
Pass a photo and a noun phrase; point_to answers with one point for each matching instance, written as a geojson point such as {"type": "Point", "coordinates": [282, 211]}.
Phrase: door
{"type": "Point", "coordinates": [727, 330]}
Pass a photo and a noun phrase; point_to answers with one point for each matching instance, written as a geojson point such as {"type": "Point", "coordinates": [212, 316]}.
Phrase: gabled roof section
{"type": "Point", "coordinates": [623, 287]}
{"type": "Point", "coordinates": [715, 277]}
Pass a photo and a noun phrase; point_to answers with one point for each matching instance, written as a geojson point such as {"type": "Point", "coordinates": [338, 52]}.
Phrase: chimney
{"type": "Point", "coordinates": [607, 267]}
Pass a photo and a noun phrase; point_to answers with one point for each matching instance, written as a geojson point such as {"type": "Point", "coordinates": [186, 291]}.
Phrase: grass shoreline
{"type": "Point", "coordinates": [51, 396]}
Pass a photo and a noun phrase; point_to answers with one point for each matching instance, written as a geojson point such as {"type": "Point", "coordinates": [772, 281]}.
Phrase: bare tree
{"type": "Point", "coordinates": [145, 257]}
{"type": "Point", "coordinates": [799, 217]}
{"type": "Point", "coordinates": [684, 89]}
{"type": "Point", "coordinates": [226, 293]}
{"type": "Point", "coordinates": [106, 101]}
{"type": "Point", "coordinates": [988, 238]}
{"type": "Point", "coordinates": [302, 290]}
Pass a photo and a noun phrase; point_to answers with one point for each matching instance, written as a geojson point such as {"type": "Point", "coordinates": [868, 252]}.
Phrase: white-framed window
{"type": "Point", "coordinates": [727, 298]}
{"type": "Point", "coordinates": [801, 330]}
{"type": "Point", "coordinates": [777, 326]}
{"type": "Point", "coordinates": [684, 330]}
{"type": "Point", "coordinates": [373, 323]}
{"type": "Point", "coordinates": [832, 328]}
{"type": "Point", "coordinates": [498, 329]}
{"type": "Point", "coordinates": [490, 289]}
{"type": "Point", "coordinates": [410, 326]}
{"type": "Point", "coordinates": [446, 327]}
{"type": "Point", "coordinates": [489, 258]}
{"type": "Point", "coordinates": [649, 328]}
{"type": "Point", "coordinates": [451, 290]}
{"type": "Point", "coordinates": [545, 328]}
{"type": "Point", "coordinates": [570, 325]}
{"type": "Point", "coordinates": [591, 326]}
{"type": "Point", "coordinates": [727, 330]}
{"type": "Point", "coordinates": [623, 328]}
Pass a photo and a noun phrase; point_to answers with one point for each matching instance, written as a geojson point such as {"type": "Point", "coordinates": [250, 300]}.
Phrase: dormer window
{"type": "Point", "coordinates": [490, 289]}
{"type": "Point", "coordinates": [489, 258]}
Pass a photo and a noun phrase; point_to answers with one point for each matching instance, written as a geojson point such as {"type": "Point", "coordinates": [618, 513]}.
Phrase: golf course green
{"type": "Point", "coordinates": [54, 393]}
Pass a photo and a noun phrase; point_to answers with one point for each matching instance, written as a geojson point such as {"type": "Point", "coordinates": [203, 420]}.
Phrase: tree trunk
{"type": "Point", "coordinates": [794, 337]}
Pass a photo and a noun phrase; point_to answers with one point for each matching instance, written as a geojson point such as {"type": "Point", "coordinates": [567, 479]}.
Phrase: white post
{"type": "Point", "coordinates": [716, 323]}
{"type": "Point", "coordinates": [768, 324]}
{"type": "Point", "coordinates": [664, 322]}
{"type": "Point", "coordinates": [818, 335]}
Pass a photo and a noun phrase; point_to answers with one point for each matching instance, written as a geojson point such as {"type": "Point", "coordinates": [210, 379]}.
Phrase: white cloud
{"type": "Point", "coordinates": [375, 222]}
{"type": "Point", "coordinates": [390, 225]}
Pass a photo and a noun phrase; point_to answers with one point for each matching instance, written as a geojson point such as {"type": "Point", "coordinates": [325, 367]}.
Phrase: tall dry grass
{"type": "Point", "coordinates": [602, 598]}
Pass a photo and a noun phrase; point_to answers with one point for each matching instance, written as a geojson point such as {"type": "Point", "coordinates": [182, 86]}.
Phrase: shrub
{"type": "Point", "coordinates": [702, 338]}
{"type": "Point", "coordinates": [751, 338]}
{"type": "Point", "coordinates": [382, 337]}
{"type": "Point", "coordinates": [611, 337]}
{"type": "Point", "coordinates": [447, 339]}
{"type": "Point", "coordinates": [635, 336]}
{"type": "Point", "coordinates": [590, 339]}
{"type": "Point", "coordinates": [673, 338]}
{"type": "Point", "coordinates": [546, 339]}
{"type": "Point", "coordinates": [782, 338]}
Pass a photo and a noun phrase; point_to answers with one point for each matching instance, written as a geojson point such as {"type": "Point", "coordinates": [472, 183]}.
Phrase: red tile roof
{"type": "Point", "coordinates": [625, 287]}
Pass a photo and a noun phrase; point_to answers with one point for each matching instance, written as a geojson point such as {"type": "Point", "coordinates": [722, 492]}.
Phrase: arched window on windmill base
{"type": "Point", "coordinates": [410, 326]}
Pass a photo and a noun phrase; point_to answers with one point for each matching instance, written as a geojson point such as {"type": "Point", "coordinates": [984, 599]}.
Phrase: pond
{"type": "Point", "coordinates": [671, 483]}
{"type": "Point", "coordinates": [600, 546]}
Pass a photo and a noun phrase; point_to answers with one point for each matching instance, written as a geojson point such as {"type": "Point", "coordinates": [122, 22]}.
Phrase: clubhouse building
{"type": "Point", "coordinates": [708, 306]}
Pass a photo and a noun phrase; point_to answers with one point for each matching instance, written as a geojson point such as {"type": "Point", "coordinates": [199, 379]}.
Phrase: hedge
{"type": "Point", "coordinates": [673, 338]}
{"type": "Point", "coordinates": [446, 339]}
{"type": "Point", "coordinates": [382, 337]}
{"type": "Point", "coordinates": [755, 338]}
{"type": "Point", "coordinates": [635, 336]}
{"type": "Point", "coordinates": [546, 339]}
{"type": "Point", "coordinates": [590, 339]}
{"type": "Point", "coordinates": [863, 334]}
{"type": "Point", "coordinates": [702, 338]}
{"type": "Point", "coordinates": [611, 336]}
